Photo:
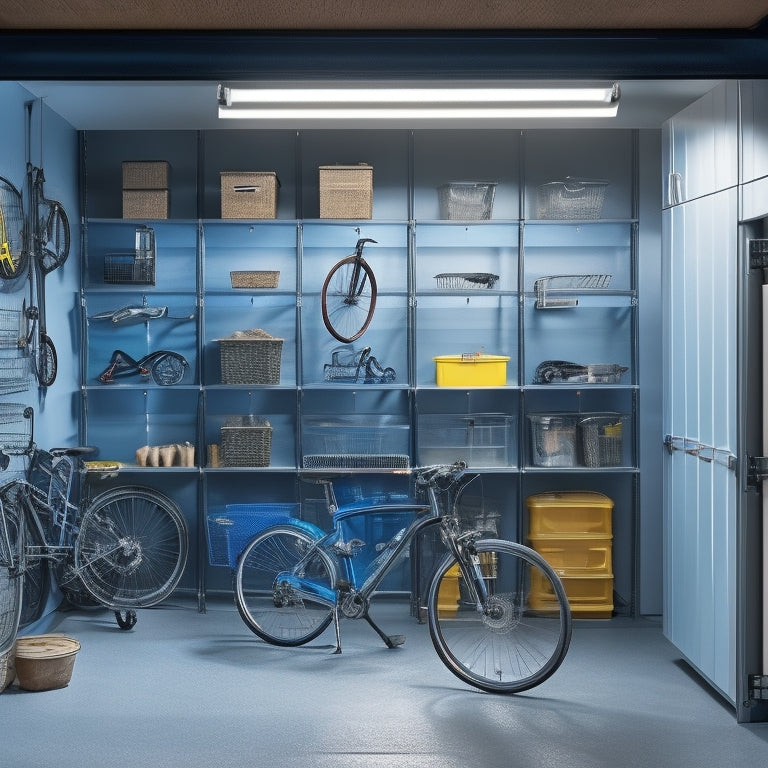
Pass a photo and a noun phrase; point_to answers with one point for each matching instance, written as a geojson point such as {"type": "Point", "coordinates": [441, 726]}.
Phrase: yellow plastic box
{"type": "Point", "coordinates": [590, 597]}
{"type": "Point", "coordinates": [569, 512]}
{"type": "Point", "coordinates": [471, 370]}
{"type": "Point", "coordinates": [576, 554]}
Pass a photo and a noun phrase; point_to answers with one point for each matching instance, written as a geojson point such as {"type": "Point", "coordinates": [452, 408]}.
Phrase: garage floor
{"type": "Point", "coordinates": [190, 689]}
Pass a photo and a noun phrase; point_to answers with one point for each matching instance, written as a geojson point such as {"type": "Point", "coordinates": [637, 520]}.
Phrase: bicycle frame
{"type": "Point", "coordinates": [341, 554]}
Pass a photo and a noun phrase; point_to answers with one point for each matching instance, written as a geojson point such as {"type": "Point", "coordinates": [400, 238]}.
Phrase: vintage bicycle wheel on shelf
{"type": "Point", "coordinates": [348, 297]}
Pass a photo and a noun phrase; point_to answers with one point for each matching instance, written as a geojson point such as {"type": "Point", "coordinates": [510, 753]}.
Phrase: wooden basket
{"type": "Point", "coordinates": [346, 191]}
{"type": "Point", "coordinates": [249, 195]}
{"type": "Point", "coordinates": [45, 662]}
{"type": "Point", "coordinates": [250, 357]}
{"type": "Point", "coordinates": [145, 203]}
{"type": "Point", "coordinates": [254, 279]}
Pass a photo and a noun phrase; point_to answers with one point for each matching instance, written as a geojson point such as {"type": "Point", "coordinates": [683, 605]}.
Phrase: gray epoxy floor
{"type": "Point", "coordinates": [193, 689]}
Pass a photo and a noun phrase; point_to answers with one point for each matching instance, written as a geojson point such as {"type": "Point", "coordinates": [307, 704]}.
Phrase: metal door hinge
{"type": "Point", "coordinates": [758, 687]}
{"type": "Point", "coordinates": [757, 470]}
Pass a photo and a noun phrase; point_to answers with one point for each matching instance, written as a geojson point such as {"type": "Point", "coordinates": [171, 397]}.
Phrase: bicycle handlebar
{"type": "Point", "coordinates": [443, 475]}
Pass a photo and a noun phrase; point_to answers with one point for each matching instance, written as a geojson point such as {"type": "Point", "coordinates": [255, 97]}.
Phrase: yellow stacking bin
{"type": "Point", "coordinates": [471, 370]}
{"type": "Point", "coordinates": [570, 512]}
{"type": "Point", "coordinates": [573, 532]}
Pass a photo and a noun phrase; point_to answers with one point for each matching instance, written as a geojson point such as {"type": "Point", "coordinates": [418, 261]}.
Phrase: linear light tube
{"type": "Point", "coordinates": [417, 103]}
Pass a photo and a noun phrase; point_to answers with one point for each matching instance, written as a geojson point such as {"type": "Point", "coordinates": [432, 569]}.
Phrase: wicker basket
{"type": "Point", "coordinates": [145, 174]}
{"type": "Point", "coordinates": [346, 191]}
{"type": "Point", "coordinates": [246, 441]}
{"type": "Point", "coordinates": [145, 203]}
{"type": "Point", "coordinates": [254, 279]}
{"type": "Point", "coordinates": [249, 195]}
{"type": "Point", "coordinates": [250, 357]}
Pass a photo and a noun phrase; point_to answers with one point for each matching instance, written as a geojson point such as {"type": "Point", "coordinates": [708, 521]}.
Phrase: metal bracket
{"type": "Point", "coordinates": [757, 470]}
{"type": "Point", "coordinates": [758, 687]}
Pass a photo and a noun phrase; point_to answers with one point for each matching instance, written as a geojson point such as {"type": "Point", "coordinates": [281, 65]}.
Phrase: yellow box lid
{"type": "Point", "coordinates": [569, 499]}
{"type": "Point", "coordinates": [471, 358]}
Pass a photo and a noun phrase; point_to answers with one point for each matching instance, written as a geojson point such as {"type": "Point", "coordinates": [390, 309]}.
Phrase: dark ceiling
{"type": "Point", "coordinates": [358, 15]}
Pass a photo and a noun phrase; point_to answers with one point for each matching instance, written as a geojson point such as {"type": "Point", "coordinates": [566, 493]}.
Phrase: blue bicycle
{"type": "Point", "coordinates": [498, 614]}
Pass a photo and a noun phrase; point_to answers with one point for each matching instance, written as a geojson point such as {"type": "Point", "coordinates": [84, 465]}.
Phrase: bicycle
{"type": "Point", "coordinates": [163, 366]}
{"type": "Point", "coordinates": [348, 297]}
{"type": "Point", "coordinates": [507, 628]}
{"type": "Point", "coordinates": [123, 549]}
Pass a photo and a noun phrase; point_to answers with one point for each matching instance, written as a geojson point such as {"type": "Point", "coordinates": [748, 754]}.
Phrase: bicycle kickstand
{"type": "Point", "coordinates": [391, 641]}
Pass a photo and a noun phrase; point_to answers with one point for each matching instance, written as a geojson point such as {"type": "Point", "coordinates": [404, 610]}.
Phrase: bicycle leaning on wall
{"type": "Point", "coordinates": [123, 549]}
{"type": "Point", "coordinates": [498, 614]}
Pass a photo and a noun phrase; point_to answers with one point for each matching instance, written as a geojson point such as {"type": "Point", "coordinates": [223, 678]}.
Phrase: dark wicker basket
{"type": "Point", "coordinates": [246, 441]}
{"type": "Point", "coordinates": [251, 357]}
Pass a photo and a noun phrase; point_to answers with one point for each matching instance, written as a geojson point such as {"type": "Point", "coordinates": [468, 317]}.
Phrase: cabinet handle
{"type": "Point", "coordinates": [675, 188]}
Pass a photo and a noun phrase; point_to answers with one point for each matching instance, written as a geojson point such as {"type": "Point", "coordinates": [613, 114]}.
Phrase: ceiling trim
{"type": "Point", "coordinates": [138, 55]}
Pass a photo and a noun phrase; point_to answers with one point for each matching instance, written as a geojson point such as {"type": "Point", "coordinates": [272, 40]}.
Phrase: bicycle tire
{"type": "Point", "coordinates": [37, 579]}
{"type": "Point", "coordinates": [14, 233]}
{"type": "Point", "coordinates": [293, 622]}
{"type": "Point", "coordinates": [345, 316]}
{"type": "Point", "coordinates": [46, 361]}
{"type": "Point", "coordinates": [11, 578]}
{"type": "Point", "coordinates": [57, 234]}
{"type": "Point", "coordinates": [521, 636]}
{"type": "Point", "coordinates": [132, 547]}
{"type": "Point", "coordinates": [168, 369]}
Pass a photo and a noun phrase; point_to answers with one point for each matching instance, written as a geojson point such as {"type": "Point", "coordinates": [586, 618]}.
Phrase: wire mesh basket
{"type": "Point", "coordinates": [11, 328]}
{"type": "Point", "coordinates": [129, 268]}
{"type": "Point", "coordinates": [466, 280]}
{"type": "Point", "coordinates": [571, 198]}
{"type": "Point", "coordinates": [553, 439]}
{"type": "Point", "coordinates": [231, 528]}
{"type": "Point", "coordinates": [601, 440]}
{"type": "Point", "coordinates": [466, 200]}
{"type": "Point", "coordinates": [550, 290]}
{"type": "Point", "coordinates": [15, 374]}
{"type": "Point", "coordinates": [15, 426]}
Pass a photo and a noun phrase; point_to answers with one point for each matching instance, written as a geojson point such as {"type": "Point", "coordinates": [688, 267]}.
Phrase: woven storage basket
{"type": "Point", "coordinates": [246, 441]}
{"type": "Point", "coordinates": [249, 195]}
{"type": "Point", "coordinates": [346, 191]}
{"type": "Point", "coordinates": [145, 174]}
{"type": "Point", "coordinates": [466, 200]}
{"type": "Point", "coordinates": [145, 203]}
{"type": "Point", "coordinates": [254, 279]}
{"type": "Point", "coordinates": [250, 357]}
{"type": "Point", "coordinates": [571, 198]}
{"type": "Point", "coordinates": [7, 669]}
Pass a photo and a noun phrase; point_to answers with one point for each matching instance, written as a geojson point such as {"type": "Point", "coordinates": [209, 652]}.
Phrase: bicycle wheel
{"type": "Point", "coordinates": [274, 616]}
{"type": "Point", "coordinates": [14, 251]}
{"type": "Point", "coordinates": [57, 237]}
{"type": "Point", "coordinates": [168, 369]}
{"type": "Point", "coordinates": [132, 547]}
{"type": "Point", "coordinates": [37, 578]}
{"type": "Point", "coordinates": [522, 633]}
{"type": "Point", "coordinates": [11, 579]}
{"type": "Point", "coordinates": [348, 299]}
{"type": "Point", "coordinates": [46, 361]}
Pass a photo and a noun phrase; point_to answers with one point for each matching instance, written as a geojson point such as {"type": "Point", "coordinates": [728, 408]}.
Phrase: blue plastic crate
{"type": "Point", "coordinates": [232, 527]}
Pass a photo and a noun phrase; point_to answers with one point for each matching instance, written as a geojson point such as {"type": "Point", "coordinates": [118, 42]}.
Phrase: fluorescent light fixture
{"type": "Point", "coordinates": [401, 103]}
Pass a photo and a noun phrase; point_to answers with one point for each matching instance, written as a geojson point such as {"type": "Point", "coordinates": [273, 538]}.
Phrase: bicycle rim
{"type": "Point", "coordinates": [286, 621]}
{"type": "Point", "coordinates": [132, 547]}
{"type": "Point", "coordinates": [348, 299]}
{"type": "Point", "coordinates": [522, 635]}
{"type": "Point", "coordinates": [11, 580]}
{"type": "Point", "coordinates": [46, 361]}
{"type": "Point", "coordinates": [56, 248]}
{"type": "Point", "coordinates": [13, 246]}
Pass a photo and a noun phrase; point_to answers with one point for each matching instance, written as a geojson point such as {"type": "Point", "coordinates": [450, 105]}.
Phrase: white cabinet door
{"type": "Point", "coordinates": [700, 317]}
{"type": "Point", "coordinates": [754, 129]}
{"type": "Point", "coordinates": [700, 146]}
